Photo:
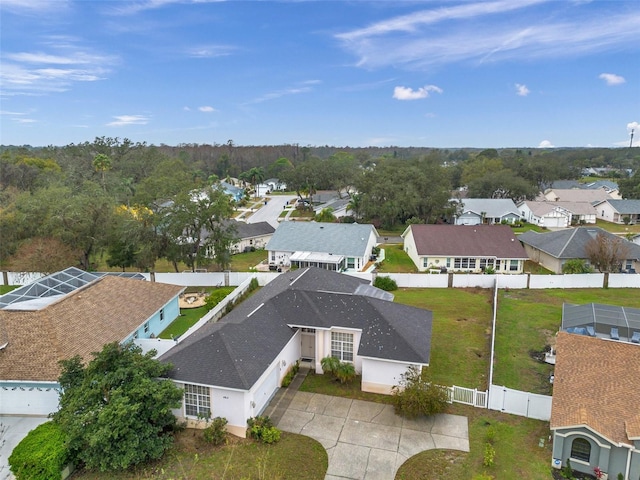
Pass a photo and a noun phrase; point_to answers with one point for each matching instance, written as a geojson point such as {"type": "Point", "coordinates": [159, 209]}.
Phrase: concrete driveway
{"type": "Point", "coordinates": [15, 429]}
{"type": "Point", "coordinates": [366, 440]}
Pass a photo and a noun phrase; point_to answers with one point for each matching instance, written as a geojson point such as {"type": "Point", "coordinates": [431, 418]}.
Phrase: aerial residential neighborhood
{"type": "Point", "coordinates": [319, 240]}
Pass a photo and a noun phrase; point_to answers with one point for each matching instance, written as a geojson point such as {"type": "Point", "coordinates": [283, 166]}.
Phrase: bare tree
{"type": "Point", "coordinates": [606, 252]}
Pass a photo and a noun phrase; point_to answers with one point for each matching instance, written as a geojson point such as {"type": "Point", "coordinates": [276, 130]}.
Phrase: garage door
{"type": "Point", "coordinates": [554, 222]}
{"type": "Point", "coordinates": [28, 401]}
{"type": "Point", "coordinates": [265, 391]}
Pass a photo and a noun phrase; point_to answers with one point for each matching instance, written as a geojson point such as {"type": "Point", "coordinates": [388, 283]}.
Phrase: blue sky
{"type": "Point", "coordinates": [501, 73]}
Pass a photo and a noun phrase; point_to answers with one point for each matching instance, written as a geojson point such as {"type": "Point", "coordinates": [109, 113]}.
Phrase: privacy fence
{"type": "Point", "coordinates": [404, 280]}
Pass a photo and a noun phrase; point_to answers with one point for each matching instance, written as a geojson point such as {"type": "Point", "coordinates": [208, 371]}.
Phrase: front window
{"type": "Point", "coordinates": [197, 401]}
{"type": "Point", "coordinates": [425, 262]}
{"type": "Point", "coordinates": [146, 327]}
{"type": "Point", "coordinates": [342, 346]}
{"type": "Point", "coordinates": [497, 264]}
{"type": "Point", "coordinates": [161, 314]}
{"type": "Point", "coordinates": [351, 262]}
{"type": "Point", "coordinates": [513, 266]}
{"type": "Point", "coordinates": [581, 449]}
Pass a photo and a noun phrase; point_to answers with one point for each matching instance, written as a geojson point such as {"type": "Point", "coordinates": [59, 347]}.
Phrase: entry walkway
{"type": "Point", "coordinates": [364, 440]}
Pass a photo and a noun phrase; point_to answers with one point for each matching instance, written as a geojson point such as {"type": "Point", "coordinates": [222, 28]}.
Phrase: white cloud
{"type": "Point", "coordinates": [141, 6]}
{"type": "Point", "coordinates": [210, 51]}
{"type": "Point", "coordinates": [633, 126]}
{"type": "Point", "coordinates": [24, 120]}
{"type": "Point", "coordinates": [522, 90]}
{"type": "Point", "coordinates": [546, 144]}
{"type": "Point", "coordinates": [206, 109]}
{"type": "Point", "coordinates": [65, 63]}
{"type": "Point", "coordinates": [279, 93]}
{"type": "Point", "coordinates": [122, 120]}
{"type": "Point", "coordinates": [186, 109]}
{"type": "Point", "coordinates": [612, 78]}
{"type": "Point", "coordinates": [489, 31]}
{"type": "Point", "coordinates": [407, 93]}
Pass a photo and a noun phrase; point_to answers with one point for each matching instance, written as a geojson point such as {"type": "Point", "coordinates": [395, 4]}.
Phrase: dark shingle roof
{"type": "Point", "coordinates": [234, 352]}
{"type": "Point", "coordinates": [570, 243]}
{"type": "Point", "coordinates": [467, 240]}
{"type": "Point", "coordinates": [629, 207]}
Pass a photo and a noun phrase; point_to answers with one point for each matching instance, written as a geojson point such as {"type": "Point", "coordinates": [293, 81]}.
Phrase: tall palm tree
{"type": "Point", "coordinates": [256, 174]}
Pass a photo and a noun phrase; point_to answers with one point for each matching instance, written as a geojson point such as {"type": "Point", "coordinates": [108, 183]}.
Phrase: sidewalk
{"type": "Point", "coordinates": [283, 397]}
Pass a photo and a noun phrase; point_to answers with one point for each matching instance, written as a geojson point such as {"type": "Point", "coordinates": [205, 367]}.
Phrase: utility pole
{"type": "Point", "coordinates": [631, 142]}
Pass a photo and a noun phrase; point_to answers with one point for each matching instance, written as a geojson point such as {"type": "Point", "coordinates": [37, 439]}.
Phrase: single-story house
{"type": "Point", "coordinates": [464, 248]}
{"type": "Point", "coordinates": [270, 185]}
{"type": "Point", "coordinates": [476, 211]}
{"type": "Point", "coordinates": [607, 185]}
{"type": "Point", "coordinates": [595, 418]}
{"type": "Point", "coordinates": [249, 236]}
{"type": "Point", "coordinates": [334, 246]}
{"type": "Point", "coordinates": [553, 249]}
{"type": "Point", "coordinates": [557, 214]}
{"type": "Point", "coordinates": [70, 313]}
{"type": "Point", "coordinates": [619, 211]}
{"type": "Point", "coordinates": [232, 368]}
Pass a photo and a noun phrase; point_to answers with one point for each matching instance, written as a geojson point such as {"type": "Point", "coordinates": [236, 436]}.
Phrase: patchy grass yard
{"type": "Point", "coordinates": [528, 321]}
{"type": "Point", "coordinates": [617, 228]}
{"type": "Point", "coordinates": [244, 262]}
{"type": "Point", "coordinates": [396, 260]}
{"type": "Point", "coordinates": [294, 456]}
{"type": "Point", "coordinates": [461, 333]}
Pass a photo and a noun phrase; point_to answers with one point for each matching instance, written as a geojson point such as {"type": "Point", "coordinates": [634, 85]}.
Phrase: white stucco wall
{"type": "Point", "coordinates": [323, 347]}
{"type": "Point", "coordinates": [379, 376]}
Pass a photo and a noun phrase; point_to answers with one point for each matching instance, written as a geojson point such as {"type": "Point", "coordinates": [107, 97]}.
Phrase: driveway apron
{"type": "Point", "coordinates": [367, 440]}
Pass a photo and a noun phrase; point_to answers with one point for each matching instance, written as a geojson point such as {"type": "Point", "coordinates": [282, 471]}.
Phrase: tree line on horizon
{"type": "Point", "coordinates": [133, 203]}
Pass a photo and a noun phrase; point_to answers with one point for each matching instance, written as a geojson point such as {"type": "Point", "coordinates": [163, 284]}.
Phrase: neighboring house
{"type": "Point", "coordinates": [553, 249]}
{"type": "Point", "coordinates": [236, 193]}
{"type": "Point", "coordinates": [334, 246]}
{"type": "Point", "coordinates": [70, 313]}
{"type": "Point", "coordinates": [476, 211]}
{"type": "Point", "coordinates": [574, 195]}
{"type": "Point", "coordinates": [619, 211]}
{"type": "Point", "coordinates": [464, 248]}
{"type": "Point", "coordinates": [232, 368]}
{"type": "Point", "coordinates": [250, 236]}
{"type": "Point", "coordinates": [557, 214]}
{"type": "Point", "coordinates": [270, 185]}
{"type": "Point", "coordinates": [607, 185]}
{"type": "Point", "coordinates": [595, 418]}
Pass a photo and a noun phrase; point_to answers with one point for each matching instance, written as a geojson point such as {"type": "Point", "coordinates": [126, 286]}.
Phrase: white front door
{"type": "Point", "coordinates": [308, 350]}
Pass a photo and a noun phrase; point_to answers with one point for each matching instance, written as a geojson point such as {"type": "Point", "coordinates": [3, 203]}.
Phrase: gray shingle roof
{"type": "Point", "coordinates": [348, 239]}
{"type": "Point", "coordinates": [626, 206]}
{"type": "Point", "coordinates": [570, 243]}
{"type": "Point", "coordinates": [234, 352]}
{"type": "Point", "coordinates": [492, 207]}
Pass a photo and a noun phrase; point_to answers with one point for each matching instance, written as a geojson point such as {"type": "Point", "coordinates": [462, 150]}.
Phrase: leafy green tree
{"type": "Point", "coordinates": [116, 411]}
{"type": "Point", "coordinates": [630, 187]}
{"type": "Point", "coordinates": [325, 216]}
{"type": "Point", "coordinates": [197, 224]}
{"type": "Point", "coordinates": [102, 164]}
{"type": "Point", "coordinates": [502, 184]}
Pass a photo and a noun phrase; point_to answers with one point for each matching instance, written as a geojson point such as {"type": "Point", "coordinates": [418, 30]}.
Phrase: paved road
{"type": "Point", "coordinates": [271, 211]}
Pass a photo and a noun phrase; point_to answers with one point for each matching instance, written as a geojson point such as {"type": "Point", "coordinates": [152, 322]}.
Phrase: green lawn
{"type": "Point", "coordinates": [528, 320]}
{"type": "Point", "coordinates": [396, 260]}
{"type": "Point", "coordinates": [293, 457]}
{"type": "Point", "coordinates": [616, 228]}
{"type": "Point", "coordinates": [188, 317]}
{"type": "Point", "coordinates": [244, 262]}
{"type": "Point", "coordinates": [461, 333]}
{"type": "Point", "coordinates": [7, 288]}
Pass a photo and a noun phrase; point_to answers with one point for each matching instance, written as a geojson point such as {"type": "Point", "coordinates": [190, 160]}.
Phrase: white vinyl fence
{"type": "Point", "coordinates": [517, 402]}
{"type": "Point", "coordinates": [467, 396]}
